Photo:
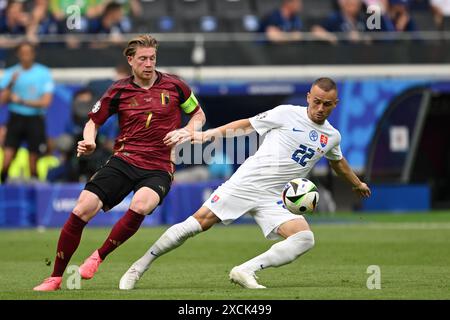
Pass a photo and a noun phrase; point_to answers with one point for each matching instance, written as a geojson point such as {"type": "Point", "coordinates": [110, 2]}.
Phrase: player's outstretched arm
{"type": "Point", "coordinates": [182, 135]}
{"type": "Point", "coordinates": [342, 169]}
{"type": "Point", "coordinates": [229, 130]}
{"type": "Point", "coordinates": [87, 145]}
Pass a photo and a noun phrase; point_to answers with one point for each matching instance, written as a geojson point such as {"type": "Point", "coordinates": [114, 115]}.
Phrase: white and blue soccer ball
{"type": "Point", "coordinates": [300, 196]}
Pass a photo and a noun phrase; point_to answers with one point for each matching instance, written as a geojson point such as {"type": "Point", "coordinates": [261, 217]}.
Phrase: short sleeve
{"type": "Point", "coordinates": [106, 106]}
{"type": "Point", "coordinates": [48, 86]}
{"type": "Point", "coordinates": [268, 120]}
{"type": "Point", "coordinates": [188, 101]}
{"type": "Point", "coordinates": [335, 153]}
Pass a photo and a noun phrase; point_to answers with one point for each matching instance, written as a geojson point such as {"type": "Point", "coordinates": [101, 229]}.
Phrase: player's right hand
{"type": "Point", "coordinates": [363, 190]}
{"type": "Point", "coordinates": [85, 148]}
{"type": "Point", "coordinates": [201, 136]}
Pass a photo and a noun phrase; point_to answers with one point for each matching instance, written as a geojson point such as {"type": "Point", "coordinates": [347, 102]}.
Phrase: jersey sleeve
{"type": "Point", "coordinates": [106, 106]}
{"type": "Point", "coordinates": [268, 120]}
{"type": "Point", "coordinates": [335, 153]}
{"type": "Point", "coordinates": [48, 86]}
{"type": "Point", "coordinates": [188, 101]}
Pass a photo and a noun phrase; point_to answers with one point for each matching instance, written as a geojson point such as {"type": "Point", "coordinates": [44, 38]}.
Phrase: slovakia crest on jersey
{"type": "Point", "coordinates": [215, 198]}
{"type": "Point", "coordinates": [323, 140]}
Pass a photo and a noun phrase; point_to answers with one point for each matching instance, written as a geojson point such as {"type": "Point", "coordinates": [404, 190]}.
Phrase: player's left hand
{"type": "Point", "coordinates": [178, 136]}
{"type": "Point", "coordinates": [15, 98]}
{"type": "Point", "coordinates": [362, 189]}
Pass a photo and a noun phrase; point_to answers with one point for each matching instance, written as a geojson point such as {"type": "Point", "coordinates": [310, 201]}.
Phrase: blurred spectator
{"type": "Point", "coordinates": [27, 87]}
{"type": "Point", "coordinates": [99, 86]}
{"type": "Point", "coordinates": [400, 16]}
{"type": "Point", "coordinates": [42, 22]}
{"type": "Point", "coordinates": [73, 169]}
{"type": "Point", "coordinates": [349, 20]}
{"type": "Point", "coordinates": [15, 20]}
{"type": "Point", "coordinates": [283, 24]}
{"type": "Point", "coordinates": [130, 7]}
{"type": "Point", "coordinates": [111, 22]}
{"type": "Point", "coordinates": [441, 12]}
{"type": "Point", "coordinates": [387, 24]}
{"type": "Point", "coordinates": [88, 8]}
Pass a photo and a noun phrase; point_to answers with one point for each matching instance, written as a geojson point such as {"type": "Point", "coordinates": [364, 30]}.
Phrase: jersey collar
{"type": "Point", "coordinates": [158, 79]}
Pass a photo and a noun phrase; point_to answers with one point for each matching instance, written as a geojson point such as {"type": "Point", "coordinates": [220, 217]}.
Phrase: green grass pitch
{"type": "Point", "coordinates": [412, 251]}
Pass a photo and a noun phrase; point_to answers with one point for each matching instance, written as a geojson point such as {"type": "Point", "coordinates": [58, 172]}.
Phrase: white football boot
{"type": "Point", "coordinates": [245, 279]}
{"type": "Point", "coordinates": [129, 279]}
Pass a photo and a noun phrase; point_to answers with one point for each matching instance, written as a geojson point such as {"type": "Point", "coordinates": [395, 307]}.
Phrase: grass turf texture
{"type": "Point", "coordinates": [412, 251]}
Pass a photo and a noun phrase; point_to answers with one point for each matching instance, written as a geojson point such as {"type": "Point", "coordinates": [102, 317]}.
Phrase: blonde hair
{"type": "Point", "coordinates": [143, 40]}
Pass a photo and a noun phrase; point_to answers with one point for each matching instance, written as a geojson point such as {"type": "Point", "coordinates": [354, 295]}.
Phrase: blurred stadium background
{"type": "Point", "coordinates": [393, 87]}
{"type": "Point", "coordinates": [394, 90]}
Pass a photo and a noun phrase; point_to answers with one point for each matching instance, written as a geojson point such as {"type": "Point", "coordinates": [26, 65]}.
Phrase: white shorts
{"type": "Point", "coordinates": [268, 211]}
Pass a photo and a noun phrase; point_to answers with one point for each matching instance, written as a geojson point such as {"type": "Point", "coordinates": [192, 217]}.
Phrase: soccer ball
{"type": "Point", "coordinates": [300, 196]}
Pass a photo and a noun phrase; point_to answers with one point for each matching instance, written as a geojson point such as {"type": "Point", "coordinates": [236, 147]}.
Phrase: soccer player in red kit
{"type": "Point", "coordinates": [149, 105]}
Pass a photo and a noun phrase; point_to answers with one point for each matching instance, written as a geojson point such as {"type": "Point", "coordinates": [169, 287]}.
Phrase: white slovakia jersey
{"type": "Point", "coordinates": [292, 146]}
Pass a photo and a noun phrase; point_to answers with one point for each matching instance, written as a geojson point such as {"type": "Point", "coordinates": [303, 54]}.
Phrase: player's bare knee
{"type": "Point", "coordinates": [206, 218]}
{"type": "Point", "coordinates": [87, 206]}
{"type": "Point", "coordinates": [142, 206]}
{"type": "Point", "coordinates": [204, 223]}
{"type": "Point", "coordinates": [83, 212]}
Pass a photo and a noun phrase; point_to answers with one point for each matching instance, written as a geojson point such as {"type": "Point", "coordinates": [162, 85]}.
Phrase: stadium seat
{"type": "Point", "coordinates": [194, 16]}
{"type": "Point", "coordinates": [317, 8]}
{"type": "Point", "coordinates": [315, 11]}
{"type": "Point", "coordinates": [189, 9]}
{"type": "Point", "coordinates": [154, 8]}
{"type": "Point", "coordinates": [424, 20]}
{"type": "Point", "coordinates": [247, 23]}
{"type": "Point", "coordinates": [232, 8]}
{"type": "Point", "coordinates": [236, 15]}
{"type": "Point", "coordinates": [207, 23]}
{"type": "Point", "coordinates": [153, 11]}
{"type": "Point", "coordinates": [264, 7]}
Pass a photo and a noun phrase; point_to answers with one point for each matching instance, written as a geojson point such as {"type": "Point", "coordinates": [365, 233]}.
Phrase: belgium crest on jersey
{"type": "Point", "coordinates": [165, 97]}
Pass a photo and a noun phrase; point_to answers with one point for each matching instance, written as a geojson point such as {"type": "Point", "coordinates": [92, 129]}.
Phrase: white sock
{"type": "Point", "coordinates": [282, 252]}
{"type": "Point", "coordinates": [174, 237]}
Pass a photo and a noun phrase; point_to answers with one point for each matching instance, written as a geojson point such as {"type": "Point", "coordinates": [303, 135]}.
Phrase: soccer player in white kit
{"type": "Point", "coordinates": [295, 139]}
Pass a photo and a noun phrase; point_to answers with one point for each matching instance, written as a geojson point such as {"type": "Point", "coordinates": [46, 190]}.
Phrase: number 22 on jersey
{"type": "Point", "coordinates": [302, 154]}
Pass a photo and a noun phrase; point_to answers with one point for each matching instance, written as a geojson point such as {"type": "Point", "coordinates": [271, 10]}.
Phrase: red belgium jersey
{"type": "Point", "coordinates": [145, 117]}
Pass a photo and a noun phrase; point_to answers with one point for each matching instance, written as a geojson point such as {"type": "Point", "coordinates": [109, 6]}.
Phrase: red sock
{"type": "Point", "coordinates": [68, 242]}
{"type": "Point", "coordinates": [122, 230]}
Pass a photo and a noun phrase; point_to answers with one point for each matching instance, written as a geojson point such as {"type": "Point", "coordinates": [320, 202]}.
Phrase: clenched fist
{"type": "Point", "coordinates": [85, 148]}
